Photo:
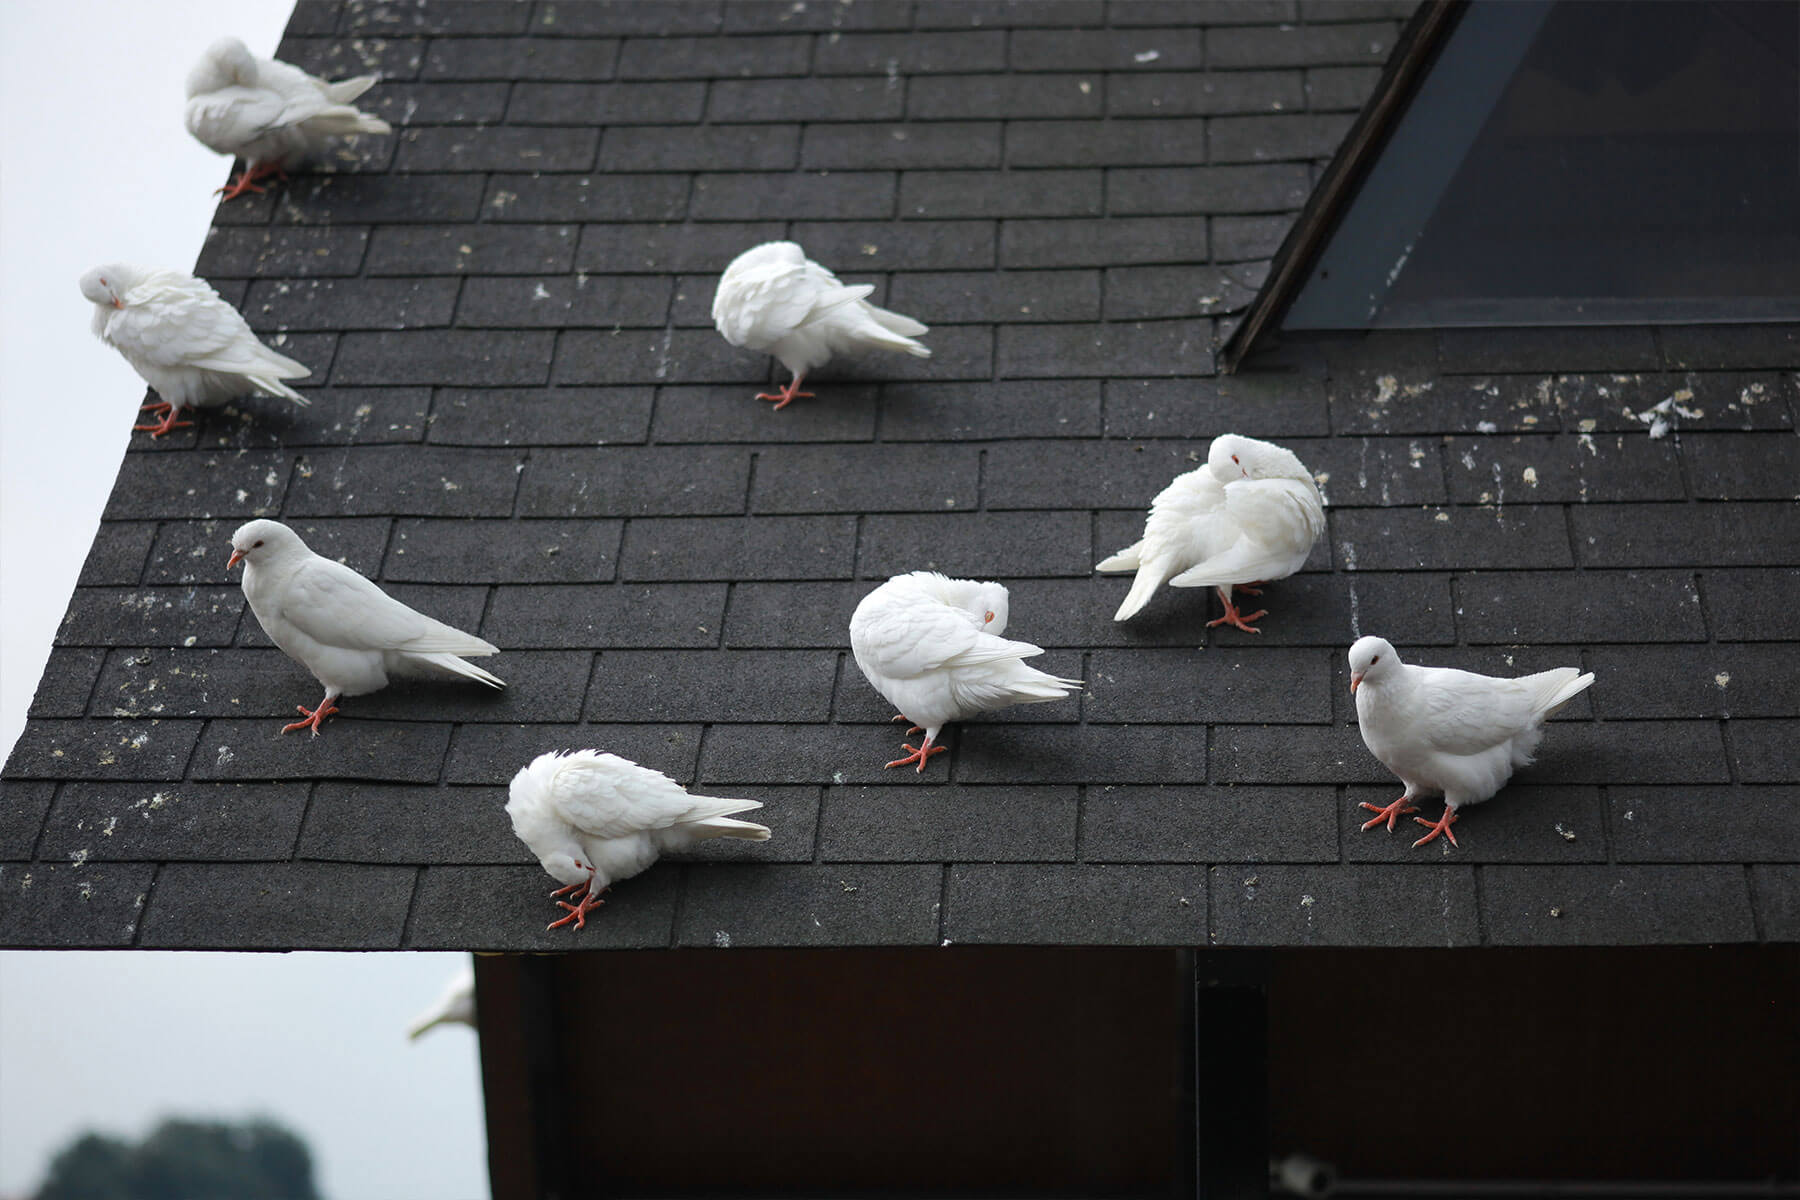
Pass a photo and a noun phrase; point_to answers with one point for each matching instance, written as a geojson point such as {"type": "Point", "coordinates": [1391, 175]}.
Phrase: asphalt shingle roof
{"type": "Point", "coordinates": [524, 424]}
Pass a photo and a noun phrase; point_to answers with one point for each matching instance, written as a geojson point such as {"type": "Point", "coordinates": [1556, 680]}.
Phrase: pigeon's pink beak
{"type": "Point", "coordinates": [1355, 679]}
{"type": "Point", "coordinates": [238, 555]}
{"type": "Point", "coordinates": [118, 303]}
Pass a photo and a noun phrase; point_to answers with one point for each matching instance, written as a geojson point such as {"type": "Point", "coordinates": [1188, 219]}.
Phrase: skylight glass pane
{"type": "Point", "coordinates": [1640, 162]}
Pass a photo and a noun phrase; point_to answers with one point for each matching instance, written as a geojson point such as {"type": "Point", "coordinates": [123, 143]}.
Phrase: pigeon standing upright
{"type": "Point", "coordinates": [593, 819]}
{"type": "Point", "coordinates": [1250, 515]}
{"type": "Point", "coordinates": [193, 348]}
{"type": "Point", "coordinates": [774, 298]}
{"type": "Point", "coordinates": [932, 646]}
{"type": "Point", "coordinates": [349, 633]}
{"type": "Point", "coordinates": [269, 113]}
{"type": "Point", "coordinates": [1449, 731]}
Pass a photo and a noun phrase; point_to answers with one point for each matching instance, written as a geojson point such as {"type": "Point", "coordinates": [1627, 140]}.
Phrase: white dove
{"type": "Point", "coordinates": [269, 113]}
{"type": "Point", "coordinates": [593, 819]}
{"type": "Point", "coordinates": [1449, 731]}
{"type": "Point", "coordinates": [349, 633]}
{"type": "Point", "coordinates": [1251, 514]}
{"type": "Point", "coordinates": [187, 343]}
{"type": "Point", "coordinates": [455, 1007]}
{"type": "Point", "coordinates": [774, 298]}
{"type": "Point", "coordinates": [932, 646]}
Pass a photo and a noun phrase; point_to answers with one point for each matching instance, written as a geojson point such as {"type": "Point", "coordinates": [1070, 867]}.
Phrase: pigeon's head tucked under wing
{"type": "Point", "coordinates": [1372, 659]}
{"type": "Point", "coordinates": [226, 63]}
{"type": "Point", "coordinates": [984, 602]}
{"type": "Point", "coordinates": [262, 542]}
{"type": "Point", "coordinates": [1234, 457]}
{"type": "Point", "coordinates": [106, 286]}
{"type": "Point", "coordinates": [536, 822]}
{"type": "Point", "coordinates": [988, 604]}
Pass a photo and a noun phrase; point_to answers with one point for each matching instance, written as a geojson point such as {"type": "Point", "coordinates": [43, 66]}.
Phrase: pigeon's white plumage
{"type": "Point", "coordinates": [775, 299]}
{"type": "Point", "coordinates": [349, 633]}
{"type": "Point", "coordinates": [269, 113]}
{"type": "Point", "coordinates": [187, 343]}
{"type": "Point", "coordinates": [455, 1007]}
{"type": "Point", "coordinates": [593, 819]}
{"type": "Point", "coordinates": [932, 646]}
{"type": "Point", "coordinates": [1250, 515]}
{"type": "Point", "coordinates": [1449, 731]}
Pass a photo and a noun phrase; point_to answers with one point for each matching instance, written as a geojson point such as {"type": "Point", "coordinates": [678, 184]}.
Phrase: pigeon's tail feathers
{"type": "Point", "coordinates": [715, 827]}
{"type": "Point", "coordinates": [428, 1022]}
{"type": "Point", "coordinates": [1150, 576]}
{"type": "Point", "coordinates": [456, 666]}
{"type": "Point", "coordinates": [1019, 684]}
{"type": "Point", "coordinates": [271, 385]}
{"type": "Point", "coordinates": [1127, 559]}
{"type": "Point", "coordinates": [1556, 688]}
{"type": "Point", "coordinates": [894, 322]}
{"type": "Point", "coordinates": [341, 120]}
{"type": "Point", "coordinates": [346, 90]}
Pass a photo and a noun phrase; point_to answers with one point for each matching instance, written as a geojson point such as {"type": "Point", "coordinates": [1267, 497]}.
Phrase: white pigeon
{"type": "Point", "coordinates": [349, 633]}
{"type": "Point", "coordinates": [455, 1007]}
{"type": "Point", "coordinates": [1449, 731]}
{"type": "Point", "coordinates": [187, 343]}
{"type": "Point", "coordinates": [269, 113]}
{"type": "Point", "coordinates": [593, 819]}
{"type": "Point", "coordinates": [932, 646]}
{"type": "Point", "coordinates": [773, 298]}
{"type": "Point", "coordinates": [1250, 515]}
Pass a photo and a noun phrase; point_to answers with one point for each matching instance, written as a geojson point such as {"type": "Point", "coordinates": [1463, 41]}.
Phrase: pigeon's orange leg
{"type": "Point", "coordinates": [914, 729]}
{"type": "Point", "coordinates": [786, 395]}
{"type": "Point", "coordinates": [1441, 825]}
{"type": "Point", "coordinates": [248, 180]}
{"type": "Point", "coordinates": [578, 912]}
{"type": "Point", "coordinates": [169, 422]}
{"type": "Point", "coordinates": [920, 755]}
{"type": "Point", "coordinates": [1233, 618]}
{"type": "Point", "coordinates": [315, 717]}
{"type": "Point", "coordinates": [1390, 813]}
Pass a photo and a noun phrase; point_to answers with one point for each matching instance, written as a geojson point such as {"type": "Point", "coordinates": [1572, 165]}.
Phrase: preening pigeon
{"type": "Point", "coordinates": [267, 112]}
{"type": "Point", "coordinates": [455, 1007]}
{"type": "Point", "coordinates": [1250, 515]}
{"type": "Point", "coordinates": [775, 299]}
{"type": "Point", "coordinates": [932, 646]}
{"type": "Point", "coordinates": [1449, 731]}
{"type": "Point", "coordinates": [187, 343]}
{"type": "Point", "coordinates": [593, 819]}
{"type": "Point", "coordinates": [349, 633]}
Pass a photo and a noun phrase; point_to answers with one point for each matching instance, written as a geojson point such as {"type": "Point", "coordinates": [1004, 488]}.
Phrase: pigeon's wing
{"type": "Point", "coordinates": [763, 303]}
{"type": "Point", "coordinates": [189, 325]}
{"type": "Point", "coordinates": [911, 639]}
{"type": "Point", "coordinates": [234, 117]}
{"type": "Point", "coordinates": [333, 605]}
{"type": "Point", "coordinates": [1269, 521]}
{"type": "Point", "coordinates": [606, 796]}
{"type": "Point", "coordinates": [1460, 712]}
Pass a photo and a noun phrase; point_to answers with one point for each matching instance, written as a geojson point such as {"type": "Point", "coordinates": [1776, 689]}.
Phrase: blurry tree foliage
{"type": "Point", "coordinates": [185, 1160]}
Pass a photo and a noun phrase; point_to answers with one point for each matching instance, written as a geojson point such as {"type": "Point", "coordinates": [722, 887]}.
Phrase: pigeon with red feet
{"type": "Point", "coordinates": [349, 633]}
{"type": "Point", "coordinates": [932, 646]}
{"type": "Point", "coordinates": [1251, 514]}
{"type": "Point", "coordinates": [773, 298]}
{"type": "Point", "coordinates": [1447, 731]}
{"type": "Point", "coordinates": [593, 819]}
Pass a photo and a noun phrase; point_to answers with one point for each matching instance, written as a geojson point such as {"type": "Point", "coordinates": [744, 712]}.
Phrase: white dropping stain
{"type": "Point", "coordinates": [112, 823]}
{"type": "Point", "coordinates": [1564, 832]}
{"type": "Point", "coordinates": [837, 777]}
{"type": "Point", "coordinates": [1386, 388]}
{"type": "Point", "coordinates": [1486, 427]}
{"type": "Point", "coordinates": [1556, 912]}
{"type": "Point", "coordinates": [1529, 475]}
{"type": "Point", "coordinates": [1722, 679]}
{"type": "Point", "coordinates": [225, 756]}
{"type": "Point", "coordinates": [1307, 901]}
{"type": "Point", "coordinates": [540, 292]}
{"type": "Point", "coordinates": [1586, 442]}
{"type": "Point", "coordinates": [1086, 87]}
{"type": "Point", "coordinates": [1442, 517]}
{"type": "Point", "coordinates": [721, 939]}
{"type": "Point", "coordinates": [1415, 454]}
{"type": "Point", "coordinates": [189, 640]}
{"type": "Point", "coordinates": [78, 857]}
{"type": "Point", "coordinates": [1146, 56]}
{"type": "Point", "coordinates": [84, 890]}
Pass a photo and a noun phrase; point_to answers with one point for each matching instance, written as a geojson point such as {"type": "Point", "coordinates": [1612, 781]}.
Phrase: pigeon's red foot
{"type": "Point", "coordinates": [578, 911]}
{"type": "Point", "coordinates": [1390, 813]}
{"type": "Point", "coordinates": [315, 717]}
{"type": "Point", "coordinates": [914, 729]}
{"type": "Point", "coordinates": [169, 422]}
{"type": "Point", "coordinates": [1441, 825]}
{"type": "Point", "coordinates": [564, 891]}
{"type": "Point", "coordinates": [247, 181]}
{"type": "Point", "coordinates": [920, 755]}
{"type": "Point", "coordinates": [786, 395]}
{"type": "Point", "coordinates": [1235, 619]}
{"type": "Point", "coordinates": [159, 407]}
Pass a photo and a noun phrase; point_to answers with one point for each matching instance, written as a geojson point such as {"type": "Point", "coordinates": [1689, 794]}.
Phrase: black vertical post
{"type": "Point", "coordinates": [522, 1078]}
{"type": "Point", "coordinates": [1231, 1075]}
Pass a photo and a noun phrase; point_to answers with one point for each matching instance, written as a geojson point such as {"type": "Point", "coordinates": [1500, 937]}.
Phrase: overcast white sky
{"type": "Point", "coordinates": [95, 167]}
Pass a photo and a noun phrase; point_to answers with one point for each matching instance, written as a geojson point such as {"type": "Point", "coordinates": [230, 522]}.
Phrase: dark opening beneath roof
{"type": "Point", "coordinates": [1582, 163]}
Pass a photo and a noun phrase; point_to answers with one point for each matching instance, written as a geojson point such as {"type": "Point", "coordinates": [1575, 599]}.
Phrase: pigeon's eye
{"type": "Point", "coordinates": [987, 618]}
{"type": "Point", "coordinates": [1375, 660]}
{"type": "Point", "coordinates": [1234, 458]}
{"type": "Point", "coordinates": [257, 543]}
